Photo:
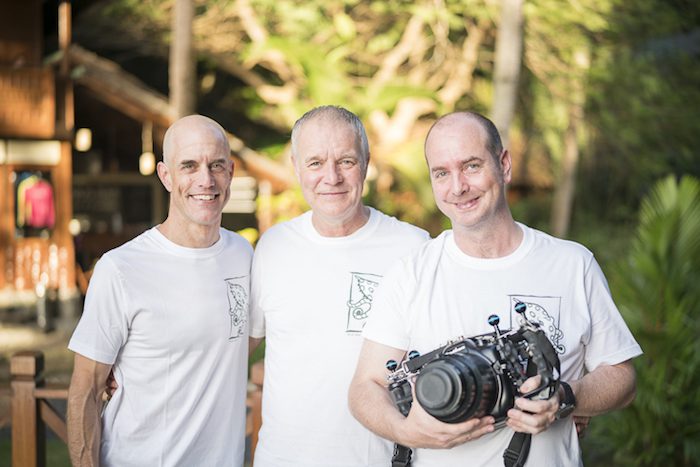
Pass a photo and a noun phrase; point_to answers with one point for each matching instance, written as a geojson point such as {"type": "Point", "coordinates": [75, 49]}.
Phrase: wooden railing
{"type": "Point", "coordinates": [32, 412]}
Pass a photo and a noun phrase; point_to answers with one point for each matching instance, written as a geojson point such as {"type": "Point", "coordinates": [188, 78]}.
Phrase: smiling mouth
{"type": "Point", "coordinates": [466, 204]}
{"type": "Point", "coordinates": [204, 197]}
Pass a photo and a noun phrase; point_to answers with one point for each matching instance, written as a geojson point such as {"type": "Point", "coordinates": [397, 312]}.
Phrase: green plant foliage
{"type": "Point", "coordinates": [657, 291]}
{"type": "Point", "coordinates": [644, 102]}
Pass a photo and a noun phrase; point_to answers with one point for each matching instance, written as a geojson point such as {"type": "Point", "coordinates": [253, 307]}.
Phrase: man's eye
{"type": "Point", "coordinates": [439, 174]}
{"type": "Point", "coordinates": [348, 162]}
{"type": "Point", "coordinates": [314, 164]}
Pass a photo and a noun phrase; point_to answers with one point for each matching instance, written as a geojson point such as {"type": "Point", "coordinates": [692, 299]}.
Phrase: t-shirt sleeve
{"type": "Point", "coordinates": [257, 314]}
{"type": "Point", "coordinates": [387, 323]}
{"type": "Point", "coordinates": [610, 341]}
{"type": "Point", "coordinates": [103, 328]}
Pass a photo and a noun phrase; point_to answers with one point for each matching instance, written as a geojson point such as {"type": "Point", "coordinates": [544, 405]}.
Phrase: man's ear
{"type": "Point", "coordinates": [506, 163]}
{"type": "Point", "coordinates": [164, 175]}
{"type": "Point", "coordinates": [294, 164]}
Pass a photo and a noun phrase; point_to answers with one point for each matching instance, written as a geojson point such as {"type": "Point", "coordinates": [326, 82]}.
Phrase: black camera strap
{"type": "Point", "coordinates": [402, 456]}
{"type": "Point", "coordinates": [515, 454]}
{"type": "Point", "coordinates": [517, 451]}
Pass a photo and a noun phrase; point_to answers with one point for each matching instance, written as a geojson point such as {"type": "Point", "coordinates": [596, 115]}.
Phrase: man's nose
{"type": "Point", "coordinates": [333, 174]}
{"type": "Point", "coordinates": [459, 184]}
{"type": "Point", "coordinates": [205, 177]}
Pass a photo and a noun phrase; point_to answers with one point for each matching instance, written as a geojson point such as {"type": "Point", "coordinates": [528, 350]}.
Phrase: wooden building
{"type": "Point", "coordinates": [36, 125]}
{"type": "Point", "coordinates": [64, 202]}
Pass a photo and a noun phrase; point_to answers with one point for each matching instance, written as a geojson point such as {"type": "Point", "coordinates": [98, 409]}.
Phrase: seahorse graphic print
{"type": "Point", "coordinates": [362, 288]}
{"type": "Point", "coordinates": [238, 306]}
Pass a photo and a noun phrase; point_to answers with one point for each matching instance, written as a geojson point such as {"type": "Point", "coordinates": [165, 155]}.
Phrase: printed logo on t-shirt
{"type": "Point", "coordinates": [362, 287]}
{"type": "Point", "coordinates": [546, 312]}
{"type": "Point", "coordinates": [237, 305]}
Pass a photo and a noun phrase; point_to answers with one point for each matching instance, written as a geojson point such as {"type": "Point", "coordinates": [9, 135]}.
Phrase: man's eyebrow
{"type": "Point", "coordinates": [472, 159]}
{"type": "Point", "coordinates": [313, 157]}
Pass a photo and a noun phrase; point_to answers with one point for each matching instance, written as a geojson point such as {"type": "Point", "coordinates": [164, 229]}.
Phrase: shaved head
{"type": "Point", "coordinates": [180, 132]}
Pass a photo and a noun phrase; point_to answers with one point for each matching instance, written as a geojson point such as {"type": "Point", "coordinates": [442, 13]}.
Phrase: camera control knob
{"type": "Point", "coordinates": [391, 365]}
{"type": "Point", "coordinates": [493, 321]}
{"type": "Point", "coordinates": [413, 354]}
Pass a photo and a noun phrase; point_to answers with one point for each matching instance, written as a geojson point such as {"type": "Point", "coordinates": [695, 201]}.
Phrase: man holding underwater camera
{"type": "Point", "coordinates": [486, 264]}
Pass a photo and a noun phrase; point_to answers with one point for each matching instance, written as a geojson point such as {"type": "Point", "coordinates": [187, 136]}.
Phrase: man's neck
{"type": "Point", "coordinates": [341, 228]}
{"type": "Point", "coordinates": [189, 235]}
{"type": "Point", "coordinates": [490, 241]}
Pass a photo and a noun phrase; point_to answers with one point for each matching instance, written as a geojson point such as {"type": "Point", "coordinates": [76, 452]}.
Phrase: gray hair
{"type": "Point", "coordinates": [339, 114]}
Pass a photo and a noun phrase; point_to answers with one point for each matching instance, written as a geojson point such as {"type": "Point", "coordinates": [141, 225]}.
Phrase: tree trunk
{"type": "Point", "coordinates": [564, 192]}
{"type": "Point", "coordinates": [509, 47]}
{"type": "Point", "coordinates": [182, 72]}
{"type": "Point", "coordinates": [566, 187]}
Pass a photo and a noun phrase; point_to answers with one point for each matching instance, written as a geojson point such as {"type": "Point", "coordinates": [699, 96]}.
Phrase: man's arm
{"type": "Point", "coordinates": [607, 388]}
{"type": "Point", "coordinates": [372, 405]}
{"type": "Point", "coordinates": [84, 406]}
{"type": "Point", "coordinates": [253, 343]}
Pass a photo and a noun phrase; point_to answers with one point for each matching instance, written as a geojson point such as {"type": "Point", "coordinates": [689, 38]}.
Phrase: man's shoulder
{"type": "Point", "coordinates": [555, 245]}
{"type": "Point", "coordinates": [235, 240]}
{"type": "Point", "coordinates": [280, 232]}
{"type": "Point", "coordinates": [137, 245]}
{"type": "Point", "coordinates": [401, 227]}
{"type": "Point", "coordinates": [424, 258]}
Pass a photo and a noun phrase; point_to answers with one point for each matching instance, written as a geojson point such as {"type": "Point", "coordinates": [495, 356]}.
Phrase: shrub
{"type": "Point", "coordinates": [657, 289]}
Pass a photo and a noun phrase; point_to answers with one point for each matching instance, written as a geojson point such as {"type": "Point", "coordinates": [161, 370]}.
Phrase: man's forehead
{"type": "Point", "coordinates": [322, 137]}
{"type": "Point", "coordinates": [465, 135]}
{"type": "Point", "coordinates": [201, 149]}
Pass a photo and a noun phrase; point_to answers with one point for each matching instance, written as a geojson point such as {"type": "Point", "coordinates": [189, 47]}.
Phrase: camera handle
{"type": "Point", "coordinates": [518, 449]}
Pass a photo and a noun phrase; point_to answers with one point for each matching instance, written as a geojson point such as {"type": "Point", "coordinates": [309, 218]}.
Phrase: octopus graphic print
{"type": "Point", "coordinates": [362, 288]}
{"type": "Point", "coordinates": [237, 306]}
{"type": "Point", "coordinates": [544, 311]}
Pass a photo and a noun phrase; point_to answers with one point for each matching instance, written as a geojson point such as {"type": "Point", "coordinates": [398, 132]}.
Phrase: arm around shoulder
{"type": "Point", "coordinates": [84, 406]}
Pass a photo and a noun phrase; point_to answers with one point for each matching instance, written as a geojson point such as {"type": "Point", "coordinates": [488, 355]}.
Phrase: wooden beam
{"type": "Point", "coordinates": [121, 90]}
{"type": "Point", "coordinates": [53, 420]}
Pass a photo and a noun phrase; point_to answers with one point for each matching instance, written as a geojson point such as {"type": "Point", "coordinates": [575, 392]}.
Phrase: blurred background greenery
{"type": "Point", "coordinates": [599, 101]}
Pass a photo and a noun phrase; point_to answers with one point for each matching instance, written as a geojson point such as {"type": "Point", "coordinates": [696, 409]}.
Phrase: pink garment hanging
{"type": "Point", "coordinates": [39, 205]}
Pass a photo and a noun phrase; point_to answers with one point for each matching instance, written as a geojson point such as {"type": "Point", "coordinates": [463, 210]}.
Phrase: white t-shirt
{"type": "Point", "coordinates": [440, 293]}
{"type": "Point", "coordinates": [173, 322]}
{"type": "Point", "coordinates": [311, 296]}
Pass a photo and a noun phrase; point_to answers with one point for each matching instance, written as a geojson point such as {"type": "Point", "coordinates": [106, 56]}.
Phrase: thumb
{"type": "Point", "coordinates": [531, 384]}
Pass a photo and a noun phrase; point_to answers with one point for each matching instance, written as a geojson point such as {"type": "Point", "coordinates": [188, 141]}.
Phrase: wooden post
{"type": "Point", "coordinates": [28, 432]}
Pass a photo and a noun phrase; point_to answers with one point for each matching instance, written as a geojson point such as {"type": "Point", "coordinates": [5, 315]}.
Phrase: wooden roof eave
{"type": "Point", "coordinates": [126, 93]}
